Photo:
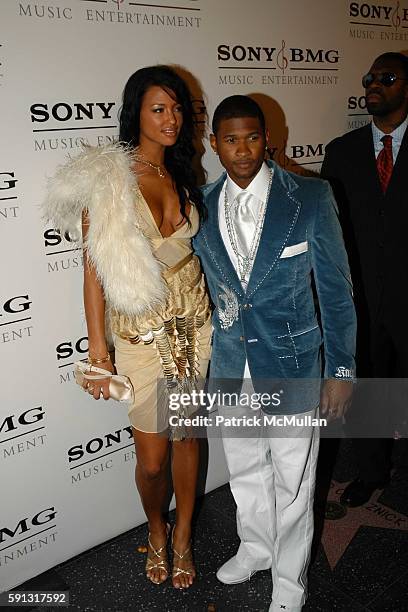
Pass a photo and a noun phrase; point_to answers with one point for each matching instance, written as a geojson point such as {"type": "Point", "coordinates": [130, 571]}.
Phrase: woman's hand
{"type": "Point", "coordinates": [99, 386]}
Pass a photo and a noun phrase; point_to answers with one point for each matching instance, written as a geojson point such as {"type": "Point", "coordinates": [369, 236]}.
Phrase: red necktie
{"type": "Point", "coordinates": [385, 163]}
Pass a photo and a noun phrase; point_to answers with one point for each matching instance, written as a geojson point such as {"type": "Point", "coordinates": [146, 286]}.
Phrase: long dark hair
{"type": "Point", "coordinates": [178, 157]}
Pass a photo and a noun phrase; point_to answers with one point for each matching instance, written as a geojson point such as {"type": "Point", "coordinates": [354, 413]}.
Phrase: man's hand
{"type": "Point", "coordinates": [335, 398]}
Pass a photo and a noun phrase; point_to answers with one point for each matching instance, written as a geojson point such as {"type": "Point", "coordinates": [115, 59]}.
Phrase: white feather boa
{"type": "Point", "coordinates": [100, 180]}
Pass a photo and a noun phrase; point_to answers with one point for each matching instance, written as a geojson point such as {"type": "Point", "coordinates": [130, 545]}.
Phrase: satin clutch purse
{"type": "Point", "coordinates": [120, 387]}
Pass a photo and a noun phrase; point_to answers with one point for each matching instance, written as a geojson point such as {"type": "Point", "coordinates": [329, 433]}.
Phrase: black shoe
{"type": "Point", "coordinates": [359, 492]}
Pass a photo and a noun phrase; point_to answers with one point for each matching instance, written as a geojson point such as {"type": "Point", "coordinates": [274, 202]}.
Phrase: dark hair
{"type": "Point", "coordinates": [395, 57]}
{"type": "Point", "coordinates": [177, 158]}
{"type": "Point", "coordinates": [235, 107]}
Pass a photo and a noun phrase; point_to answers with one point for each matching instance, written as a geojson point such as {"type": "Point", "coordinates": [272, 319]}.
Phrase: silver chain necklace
{"type": "Point", "coordinates": [245, 262]}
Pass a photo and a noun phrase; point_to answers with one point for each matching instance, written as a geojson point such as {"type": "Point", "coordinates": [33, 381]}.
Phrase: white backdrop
{"type": "Point", "coordinates": [66, 462]}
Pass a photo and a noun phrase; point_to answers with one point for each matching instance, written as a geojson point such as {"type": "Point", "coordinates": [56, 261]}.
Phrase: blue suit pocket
{"type": "Point", "coordinates": [296, 342]}
{"type": "Point", "coordinates": [299, 351]}
{"type": "Point", "coordinates": [306, 340]}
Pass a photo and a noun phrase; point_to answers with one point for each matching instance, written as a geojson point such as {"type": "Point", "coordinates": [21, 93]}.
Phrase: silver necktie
{"type": "Point", "coordinates": [244, 222]}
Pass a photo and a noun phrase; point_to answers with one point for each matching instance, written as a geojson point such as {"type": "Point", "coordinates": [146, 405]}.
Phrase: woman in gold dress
{"type": "Point", "coordinates": [140, 209]}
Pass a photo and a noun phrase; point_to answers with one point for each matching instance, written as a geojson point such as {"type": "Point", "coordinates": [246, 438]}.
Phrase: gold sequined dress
{"type": "Point", "coordinates": [167, 350]}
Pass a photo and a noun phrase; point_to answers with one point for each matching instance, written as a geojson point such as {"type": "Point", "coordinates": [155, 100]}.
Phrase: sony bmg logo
{"type": "Point", "coordinates": [15, 305]}
{"type": "Point", "coordinates": [7, 181]}
{"type": "Point", "coordinates": [281, 56]}
{"type": "Point", "coordinates": [307, 150]}
{"type": "Point", "coordinates": [70, 252]}
{"type": "Point", "coordinates": [62, 111]}
{"type": "Point", "coordinates": [383, 12]}
{"type": "Point", "coordinates": [297, 151]}
{"type": "Point", "coordinates": [357, 103]}
{"type": "Point", "coordinates": [53, 238]}
{"type": "Point", "coordinates": [97, 444]}
{"type": "Point", "coordinates": [27, 524]}
{"type": "Point", "coordinates": [28, 417]}
{"type": "Point", "coordinates": [67, 349]}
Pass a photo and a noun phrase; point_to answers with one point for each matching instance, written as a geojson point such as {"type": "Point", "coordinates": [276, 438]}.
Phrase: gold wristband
{"type": "Point", "coordinates": [94, 361]}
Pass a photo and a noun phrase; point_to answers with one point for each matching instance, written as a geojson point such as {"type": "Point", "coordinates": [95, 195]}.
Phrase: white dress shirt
{"type": "Point", "coordinates": [258, 187]}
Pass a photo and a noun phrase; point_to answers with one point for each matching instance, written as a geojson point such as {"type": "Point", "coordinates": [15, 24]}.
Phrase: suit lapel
{"type": "Point", "coordinates": [211, 235]}
{"type": "Point", "coordinates": [400, 168]}
{"type": "Point", "coordinates": [366, 162]}
{"type": "Point", "coordinates": [281, 214]}
{"type": "Point", "coordinates": [280, 217]}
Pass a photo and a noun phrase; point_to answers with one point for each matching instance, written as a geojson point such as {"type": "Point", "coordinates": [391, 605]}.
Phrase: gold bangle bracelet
{"type": "Point", "coordinates": [93, 361]}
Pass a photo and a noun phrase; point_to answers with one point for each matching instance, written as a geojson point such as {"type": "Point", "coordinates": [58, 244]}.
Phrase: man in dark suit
{"type": "Point", "coordinates": [368, 168]}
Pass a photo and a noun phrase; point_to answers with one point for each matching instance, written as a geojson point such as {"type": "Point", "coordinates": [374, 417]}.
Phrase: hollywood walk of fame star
{"type": "Point", "coordinates": [341, 524]}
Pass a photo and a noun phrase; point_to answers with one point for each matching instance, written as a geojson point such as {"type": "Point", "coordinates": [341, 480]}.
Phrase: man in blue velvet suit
{"type": "Point", "coordinates": [269, 238]}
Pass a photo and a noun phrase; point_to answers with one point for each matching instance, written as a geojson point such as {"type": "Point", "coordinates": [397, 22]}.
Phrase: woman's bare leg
{"type": "Point", "coordinates": [152, 453]}
{"type": "Point", "coordinates": [185, 469]}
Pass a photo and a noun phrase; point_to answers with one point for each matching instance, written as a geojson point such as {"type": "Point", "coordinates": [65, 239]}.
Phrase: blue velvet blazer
{"type": "Point", "coordinates": [277, 324]}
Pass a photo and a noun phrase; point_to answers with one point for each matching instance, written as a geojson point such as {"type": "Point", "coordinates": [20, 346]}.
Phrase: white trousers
{"type": "Point", "coordinates": [272, 479]}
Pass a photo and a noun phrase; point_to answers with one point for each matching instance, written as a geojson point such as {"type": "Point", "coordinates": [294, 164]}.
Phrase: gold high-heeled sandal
{"type": "Point", "coordinates": [157, 559]}
{"type": "Point", "coordinates": [188, 556]}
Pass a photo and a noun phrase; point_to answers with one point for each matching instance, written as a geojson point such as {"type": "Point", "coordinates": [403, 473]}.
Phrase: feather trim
{"type": "Point", "coordinates": [100, 180]}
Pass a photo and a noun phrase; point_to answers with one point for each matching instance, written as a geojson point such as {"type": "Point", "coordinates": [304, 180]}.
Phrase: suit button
{"type": "Point", "coordinates": [245, 306]}
{"type": "Point", "coordinates": [242, 338]}
{"type": "Point", "coordinates": [381, 244]}
{"type": "Point", "coordinates": [381, 212]}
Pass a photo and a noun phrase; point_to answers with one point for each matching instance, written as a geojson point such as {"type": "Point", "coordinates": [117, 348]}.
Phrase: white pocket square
{"type": "Point", "coordinates": [295, 249]}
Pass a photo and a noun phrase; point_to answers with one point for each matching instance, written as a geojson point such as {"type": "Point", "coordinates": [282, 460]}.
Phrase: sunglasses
{"type": "Point", "coordinates": [385, 78]}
